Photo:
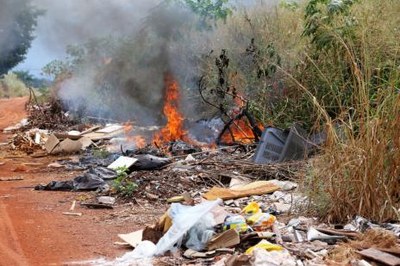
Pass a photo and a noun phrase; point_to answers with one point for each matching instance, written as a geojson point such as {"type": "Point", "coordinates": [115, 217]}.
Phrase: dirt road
{"type": "Point", "coordinates": [33, 230]}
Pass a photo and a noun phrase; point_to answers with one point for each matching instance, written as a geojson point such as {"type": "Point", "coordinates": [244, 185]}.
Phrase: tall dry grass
{"type": "Point", "coordinates": [358, 173]}
{"type": "Point", "coordinates": [349, 88]}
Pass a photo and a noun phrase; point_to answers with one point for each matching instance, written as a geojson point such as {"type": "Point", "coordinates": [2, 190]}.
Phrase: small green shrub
{"type": "Point", "coordinates": [122, 185]}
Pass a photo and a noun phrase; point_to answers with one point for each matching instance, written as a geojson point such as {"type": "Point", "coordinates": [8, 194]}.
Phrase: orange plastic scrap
{"type": "Point", "coordinates": [254, 188]}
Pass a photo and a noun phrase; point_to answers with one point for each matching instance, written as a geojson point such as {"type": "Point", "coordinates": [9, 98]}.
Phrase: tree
{"type": "Point", "coordinates": [30, 80]}
{"type": "Point", "coordinates": [209, 10]}
{"type": "Point", "coordinates": [18, 20]}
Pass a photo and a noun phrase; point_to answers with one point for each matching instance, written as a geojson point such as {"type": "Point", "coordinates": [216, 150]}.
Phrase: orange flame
{"type": "Point", "coordinates": [240, 130]}
{"type": "Point", "coordinates": [173, 130]}
{"type": "Point", "coordinates": [140, 142]}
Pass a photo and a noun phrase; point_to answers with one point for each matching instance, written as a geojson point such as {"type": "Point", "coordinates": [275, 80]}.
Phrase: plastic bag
{"type": "Point", "coordinates": [141, 255]}
{"type": "Point", "coordinates": [201, 233]}
{"type": "Point", "coordinates": [236, 222]}
{"type": "Point", "coordinates": [183, 218]}
{"type": "Point", "coordinates": [261, 221]}
{"type": "Point", "coordinates": [251, 209]}
{"type": "Point", "coordinates": [264, 244]}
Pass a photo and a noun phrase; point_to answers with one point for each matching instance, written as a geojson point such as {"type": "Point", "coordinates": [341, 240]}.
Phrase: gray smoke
{"type": "Point", "coordinates": [128, 48]}
{"type": "Point", "coordinates": [76, 21]}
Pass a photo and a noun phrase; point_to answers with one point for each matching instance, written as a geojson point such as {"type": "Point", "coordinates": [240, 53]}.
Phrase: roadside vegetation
{"type": "Point", "coordinates": [12, 86]}
{"type": "Point", "coordinates": [332, 66]}
{"type": "Point", "coordinates": [19, 83]}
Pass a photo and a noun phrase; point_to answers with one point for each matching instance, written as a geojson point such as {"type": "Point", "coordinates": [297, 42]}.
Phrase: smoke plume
{"type": "Point", "coordinates": [125, 49]}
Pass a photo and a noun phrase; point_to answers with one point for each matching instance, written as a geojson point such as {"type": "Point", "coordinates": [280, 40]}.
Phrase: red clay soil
{"type": "Point", "coordinates": [33, 229]}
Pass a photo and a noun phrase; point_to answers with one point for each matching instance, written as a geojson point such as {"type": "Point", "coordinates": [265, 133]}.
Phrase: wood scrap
{"type": "Point", "coordinates": [393, 251]}
{"type": "Point", "coordinates": [97, 206]}
{"type": "Point", "coordinates": [32, 164]}
{"type": "Point", "coordinates": [350, 234]}
{"type": "Point", "coordinates": [12, 179]}
{"type": "Point", "coordinates": [73, 205]}
{"type": "Point", "coordinates": [90, 130]}
{"type": "Point", "coordinates": [72, 213]}
{"type": "Point", "coordinates": [380, 256]}
{"type": "Point", "coordinates": [255, 188]}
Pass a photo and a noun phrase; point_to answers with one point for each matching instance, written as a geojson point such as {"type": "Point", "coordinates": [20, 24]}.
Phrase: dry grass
{"type": "Point", "coordinates": [359, 171]}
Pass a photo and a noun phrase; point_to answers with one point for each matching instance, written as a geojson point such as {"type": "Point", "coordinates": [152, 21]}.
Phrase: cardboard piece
{"type": "Point", "coordinates": [191, 254]}
{"type": "Point", "coordinates": [133, 238]}
{"type": "Point", "coordinates": [51, 143]}
{"type": "Point", "coordinates": [86, 142]}
{"type": "Point", "coordinates": [122, 161]}
{"type": "Point", "coordinates": [66, 136]}
{"type": "Point", "coordinates": [229, 238]}
{"type": "Point", "coordinates": [254, 188]}
{"type": "Point", "coordinates": [110, 129]}
{"type": "Point", "coordinates": [165, 222]}
{"type": "Point", "coordinates": [67, 146]}
{"type": "Point", "coordinates": [105, 133]}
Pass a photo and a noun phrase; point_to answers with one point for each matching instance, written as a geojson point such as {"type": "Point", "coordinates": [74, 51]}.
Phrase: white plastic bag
{"type": "Point", "coordinates": [183, 218]}
{"type": "Point", "coordinates": [201, 233]}
{"type": "Point", "coordinates": [141, 255]}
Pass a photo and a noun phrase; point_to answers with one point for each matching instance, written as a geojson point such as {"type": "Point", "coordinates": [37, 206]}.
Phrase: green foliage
{"type": "Point", "coordinates": [93, 52]}
{"type": "Point", "coordinates": [18, 20]}
{"type": "Point", "coordinates": [326, 21]}
{"type": "Point", "coordinates": [291, 5]}
{"type": "Point", "coordinates": [210, 10]}
{"type": "Point", "coordinates": [11, 86]}
{"type": "Point", "coordinates": [56, 68]}
{"type": "Point", "coordinates": [122, 185]}
{"type": "Point", "coordinates": [31, 81]}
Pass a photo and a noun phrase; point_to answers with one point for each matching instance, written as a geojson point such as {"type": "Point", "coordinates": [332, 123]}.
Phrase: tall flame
{"type": "Point", "coordinates": [173, 130]}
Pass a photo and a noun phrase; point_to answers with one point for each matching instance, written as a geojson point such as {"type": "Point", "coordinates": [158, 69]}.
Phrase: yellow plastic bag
{"type": "Point", "coordinates": [264, 244]}
{"type": "Point", "coordinates": [251, 209]}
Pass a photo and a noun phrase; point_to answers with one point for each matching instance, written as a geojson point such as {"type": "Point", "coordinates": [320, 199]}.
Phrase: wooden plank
{"type": "Point", "coordinates": [380, 256]}
{"type": "Point", "coordinates": [12, 179]}
{"type": "Point", "coordinates": [393, 251]}
{"type": "Point", "coordinates": [350, 234]}
{"type": "Point", "coordinates": [255, 188]}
